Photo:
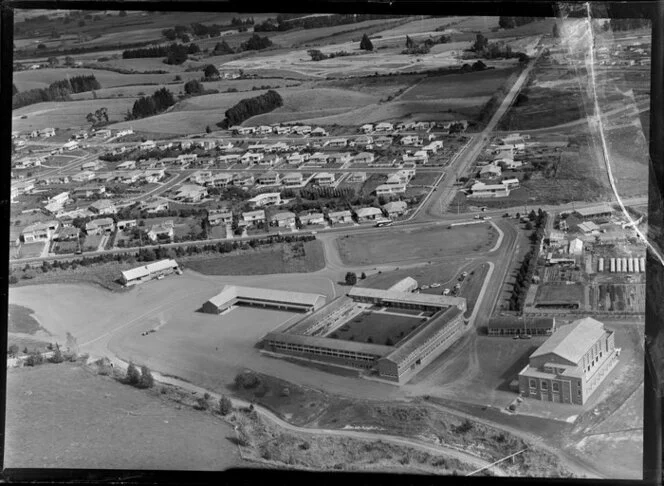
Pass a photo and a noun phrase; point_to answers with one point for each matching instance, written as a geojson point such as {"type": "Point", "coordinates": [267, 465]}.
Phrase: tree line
{"type": "Point", "coordinates": [174, 53]}
{"type": "Point", "coordinates": [56, 91]}
{"type": "Point", "coordinates": [249, 107]}
{"type": "Point", "coordinates": [527, 269]}
{"type": "Point", "coordinates": [145, 106]}
{"type": "Point", "coordinates": [512, 22]}
{"type": "Point", "coordinates": [414, 47]}
{"type": "Point", "coordinates": [286, 22]}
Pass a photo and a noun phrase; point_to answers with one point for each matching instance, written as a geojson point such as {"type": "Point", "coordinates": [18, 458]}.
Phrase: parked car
{"type": "Point", "coordinates": [435, 285]}
{"type": "Point", "coordinates": [446, 292]}
{"type": "Point", "coordinates": [425, 287]}
{"type": "Point", "coordinates": [525, 336]}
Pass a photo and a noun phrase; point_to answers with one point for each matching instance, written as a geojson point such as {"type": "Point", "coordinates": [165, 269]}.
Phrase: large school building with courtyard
{"type": "Point", "coordinates": [393, 334]}
{"type": "Point", "coordinates": [234, 295]}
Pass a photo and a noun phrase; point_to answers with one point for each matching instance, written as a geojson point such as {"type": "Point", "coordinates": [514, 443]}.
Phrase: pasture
{"type": "Point", "coordinates": [378, 327]}
{"type": "Point", "coordinates": [41, 78]}
{"type": "Point", "coordinates": [562, 293]}
{"type": "Point", "coordinates": [415, 244]}
{"type": "Point", "coordinates": [63, 416]}
{"type": "Point", "coordinates": [66, 114]}
{"type": "Point", "coordinates": [469, 85]}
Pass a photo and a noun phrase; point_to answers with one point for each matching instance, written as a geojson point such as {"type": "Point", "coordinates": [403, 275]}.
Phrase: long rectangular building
{"type": "Point", "coordinates": [150, 271]}
{"type": "Point", "coordinates": [423, 347]}
{"type": "Point", "coordinates": [277, 299]}
{"type": "Point", "coordinates": [514, 326]}
{"type": "Point", "coordinates": [391, 298]}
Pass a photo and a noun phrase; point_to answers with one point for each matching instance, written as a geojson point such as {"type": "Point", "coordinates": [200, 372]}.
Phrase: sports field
{"type": "Point", "coordinates": [548, 293]}
{"type": "Point", "coordinates": [415, 244]}
{"type": "Point", "coordinates": [378, 328]}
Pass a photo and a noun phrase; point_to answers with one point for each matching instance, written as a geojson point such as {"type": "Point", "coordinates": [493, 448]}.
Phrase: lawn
{"type": "Point", "coordinates": [415, 244]}
{"type": "Point", "coordinates": [378, 328]}
{"type": "Point", "coordinates": [62, 416]}
{"type": "Point", "coordinates": [31, 250]}
{"type": "Point", "coordinates": [21, 320]}
{"type": "Point", "coordinates": [560, 293]}
{"type": "Point", "coordinates": [92, 242]}
{"type": "Point", "coordinates": [284, 258]}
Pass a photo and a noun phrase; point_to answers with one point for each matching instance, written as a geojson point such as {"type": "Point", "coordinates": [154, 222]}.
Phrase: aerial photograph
{"type": "Point", "coordinates": [328, 242]}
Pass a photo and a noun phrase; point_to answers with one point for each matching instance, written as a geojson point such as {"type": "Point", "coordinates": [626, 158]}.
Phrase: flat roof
{"type": "Point", "coordinates": [407, 298]}
{"type": "Point", "coordinates": [229, 292]}
{"type": "Point", "coordinates": [427, 330]}
{"type": "Point", "coordinates": [513, 322]}
{"type": "Point", "coordinates": [377, 350]}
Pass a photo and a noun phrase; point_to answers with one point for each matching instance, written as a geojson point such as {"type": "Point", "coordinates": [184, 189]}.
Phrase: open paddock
{"type": "Point", "coordinates": [415, 244]}
{"type": "Point", "coordinates": [378, 327]}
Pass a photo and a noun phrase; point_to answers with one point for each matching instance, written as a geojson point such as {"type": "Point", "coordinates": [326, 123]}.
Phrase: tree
{"type": "Point", "coordinates": [225, 405]}
{"type": "Point", "coordinates": [123, 13]}
{"type": "Point", "coordinates": [211, 72]}
{"type": "Point", "coordinates": [53, 61]}
{"type": "Point", "coordinates": [34, 358]}
{"type": "Point", "coordinates": [146, 380]}
{"type": "Point", "coordinates": [555, 31]}
{"type": "Point", "coordinates": [193, 87]}
{"type": "Point", "coordinates": [480, 44]}
{"type": "Point", "coordinates": [201, 404]}
{"type": "Point", "coordinates": [365, 43]}
{"type": "Point", "coordinates": [57, 355]}
{"type": "Point", "coordinates": [12, 350]}
{"type": "Point", "coordinates": [208, 129]}
{"type": "Point", "coordinates": [363, 276]}
{"type": "Point", "coordinates": [316, 55]}
{"type": "Point", "coordinates": [351, 278]}
{"type": "Point", "coordinates": [133, 377]}
{"type": "Point", "coordinates": [90, 118]}
{"type": "Point", "coordinates": [409, 43]}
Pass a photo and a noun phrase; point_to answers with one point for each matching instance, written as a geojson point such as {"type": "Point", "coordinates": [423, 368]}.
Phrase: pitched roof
{"type": "Point", "coordinates": [363, 212]}
{"type": "Point", "coordinates": [392, 296]}
{"type": "Point", "coordinates": [376, 350]}
{"type": "Point", "coordinates": [146, 270]}
{"type": "Point", "coordinates": [571, 342]}
{"type": "Point", "coordinates": [229, 292]}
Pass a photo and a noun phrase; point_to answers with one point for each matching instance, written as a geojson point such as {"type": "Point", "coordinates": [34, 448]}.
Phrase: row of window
{"type": "Point", "coordinates": [322, 351]}
{"type": "Point", "coordinates": [430, 346]}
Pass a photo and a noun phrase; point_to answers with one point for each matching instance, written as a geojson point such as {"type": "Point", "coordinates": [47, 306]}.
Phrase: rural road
{"type": "Point", "coordinates": [352, 434]}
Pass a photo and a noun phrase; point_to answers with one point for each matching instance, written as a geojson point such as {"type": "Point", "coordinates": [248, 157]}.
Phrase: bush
{"type": "Point", "coordinates": [57, 355]}
{"type": "Point", "coordinates": [305, 446]}
{"type": "Point", "coordinates": [132, 377]}
{"type": "Point", "coordinates": [201, 404]}
{"type": "Point", "coordinates": [35, 358]}
{"type": "Point", "coordinates": [146, 380]}
{"type": "Point", "coordinates": [12, 350]}
{"type": "Point", "coordinates": [247, 380]}
{"type": "Point", "coordinates": [351, 278]}
{"type": "Point", "coordinates": [225, 405]}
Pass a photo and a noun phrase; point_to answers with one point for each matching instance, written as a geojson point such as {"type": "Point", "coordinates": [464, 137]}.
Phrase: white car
{"type": "Point", "coordinates": [435, 285]}
{"type": "Point", "coordinates": [424, 287]}
{"type": "Point", "coordinates": [446, 292]}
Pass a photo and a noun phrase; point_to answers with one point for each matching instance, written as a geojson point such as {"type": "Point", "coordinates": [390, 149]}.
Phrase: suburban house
{"type": "Point", "coordinates": [490, 172]}
{"type": "Point", "coordinates": [268, 179]}
{"type": "Point", "coordinates": [251, 158]}
{"type": "Point", "coordinates": [363, 140]}
{"type": "Point", "coordinates": [571, 364]}
{"type": "Point", "coordinates": [511, 183]}
{"type": "Point", "coordinates": [292, 179]}
{"type": "Point", "coordinates": [340, 217]}
{"type": "Point", "coordinates": [480, 189]}
{"type": "Point", "coordinates": [384, 127]}
{"type": "Point", "coordinates": [318, 132]}
{"type": "Point", "coordinates": [60, 198]}
{"type": "Point", "coordinates": [364, 158]}
{"type": "Point", "coordinates": [395, 209]}
{"type": "Point", "coordinates": [228, 159]}
{"type": "Point", "coordinates": [147, 145]}
{"type": "Point", "coordinates": [224, 145]}
{"type": "Point", "coordinates": [84, 176]}
{"type": "Point", "coordinates": [433, 147]}
{"type": "Point", "coordinates": [99, 226]}
{"type": "Point", "coordinates": [190, 193]}
{"type": "Point", "coordinates": [243, 130]}
{"type": "Point", "coordinates": [103, 207]}
{"type": "Point", "coordinates": [39, 231]}
{"type": "Point", "coordinates": [71, 145]}
{"type": "Point", "coordinates": [220, 179]}
{"type": "Point", "coordinates": [337, 143]}
{"type": "Point", "coordinates": [264, 129]}
{"type": "Point", "coordinates": [504, 152]}
{"type": "Point", "coordinates": [387, 189]}
{"type": "Point", "coordinates": [312, 218]}
{"type": "Point", "coordinates": [46, 132]}
{"type": "Point", "coordinates": [410, 140]}
{"type": "Point", "coordinates": [399, 177]}
{"type": "Point", "coordinates": [253, 217]}
{"type": "Point", "coordinates": [162, 231]}
{"type": "Point", "coordinates": [283, 220]}
{"type": "Point", "coordinates": [103, 133]}
{"type": "Point", "coordinates": [419, 157]}
{"type": "Point", "coordinates": [588, 227]}
{"type": "Point", "coordinates": [265, 199]}
{"type": "Point", "coordinates": [324, 179]}
{"type": "Point", "coordinates": [186, 144]}
{"type": "Point", "coordinates": [270, 159]}
{"type": "Point", "coordinates": [295, 159]}
{"type": "Point", "coordinates": [338, 158]}
{"type": "Point", "coordinates": [282, 130]}
{"type": "Point", "coordinates": [368, 214]}
{"type": "Point", "coordinates": [28, 162]}
{"type": "Point", "coordinates": [222, 217]}
{"type": "Point", "coordinates": [187, 158]}
{"type": "Point", "coordinates": [318, 158]}
{"type": "Point", "coordinates": [599, 211]}
{"type": "Point", "coordinates": [129, 177]}
{"type": "Point", "coordinates": [508, 163]}
{"type": "Point", "coordinates": [152, 176]}
{"type": "Point", "coordinates": [243, 179]}
{"type": "Point", "coordinates": [356, 177]}
{"type": "Point", "coordinates": [302, 129]}
{"type": "Point", "coordinates": [278, 147]}
{"type": "Point", "coordinates": [155, 207]}
{"type": "Point", "coordinates": [126, 165]}
{"type": "Point", "coordinates": [126, 224]}
{"type": "Point", "coordinates": [384, 141]}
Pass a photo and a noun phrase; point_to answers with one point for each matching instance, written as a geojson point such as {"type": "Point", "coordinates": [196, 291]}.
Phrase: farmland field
{"type": "Point", "coordinates": [41, 78]}
{"type": "Point", "coordinates": [561, 293]}
{"type": "Point", "coordinates": [378, 328]}
{"type": "Point", "coordinates": [415, 244]}
{"type": "Point", "coordinates": [470, 85]}
{"type": "Point", "coordinates": [105, 425]}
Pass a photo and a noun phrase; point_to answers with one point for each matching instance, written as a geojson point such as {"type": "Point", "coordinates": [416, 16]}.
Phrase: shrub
{"type": "Point", "coordinates": [132, 377]}
{"type": "Point", "coordinates": [146, 380]}
{"type": "Point", "coordinates": [351, 278]}
{"type": "Point", "coordinates": [305, 446]}
{"type": "Point", "coordinates": [57, 355]}
{"type": "Point", "coordinates": [247, 380]}
{"type": "Point", "coordinates": [201, 404]}
{"type": "Point", "coordinates": [34, 358]}
{"type": "Point", "coordinates": [225, 405]}
{"type": "Point", "coordinates": [12, 350]}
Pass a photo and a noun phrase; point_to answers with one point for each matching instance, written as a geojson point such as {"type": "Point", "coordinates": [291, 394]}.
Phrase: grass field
{"type": "Point", "coordinates": [62, 416]}
{"type": "Point", "coordinates": [278, 259]}
{"type": "Point", "coordinates": [21, 320]}
{"type": "Point", "coordinates": [378, 328]}
{"type": "Point", "coordinates": [29, 250]}
{"type": "Point", "coordinates": [561, 293]}
{"type": "Point", "coordinates": [41, 78]}
{"type": "Point", "coordinates": [415, 244]}
{"type": "Point", "coordinates": [65, 114]}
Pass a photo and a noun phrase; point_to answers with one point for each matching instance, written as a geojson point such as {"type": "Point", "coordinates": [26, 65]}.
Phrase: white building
{"type": "Point", "coordinates": [265, 199]}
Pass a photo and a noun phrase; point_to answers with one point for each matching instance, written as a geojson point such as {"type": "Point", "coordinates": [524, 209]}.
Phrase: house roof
{"type": "Point", "coordinates": [571, 342]}
{"type": "Point", "coordinates": [376, 350]}
{"type": "Point", "coordinates": [595, 210]}
{"type": "Point", "coordinates": [363, 212]}
{"type": "Point", "coordinates": [588, 226]}
{"type": "Point", "coordinates": [282, 216]}
{"type": "Point", "coordinates": [340, 214]}
{"type": "Point", "coordinates": [311, 216]}
{"type": "Point", "coordinates": [404, 285]}
{"type": "Point", "coordinates": [249, 214]}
